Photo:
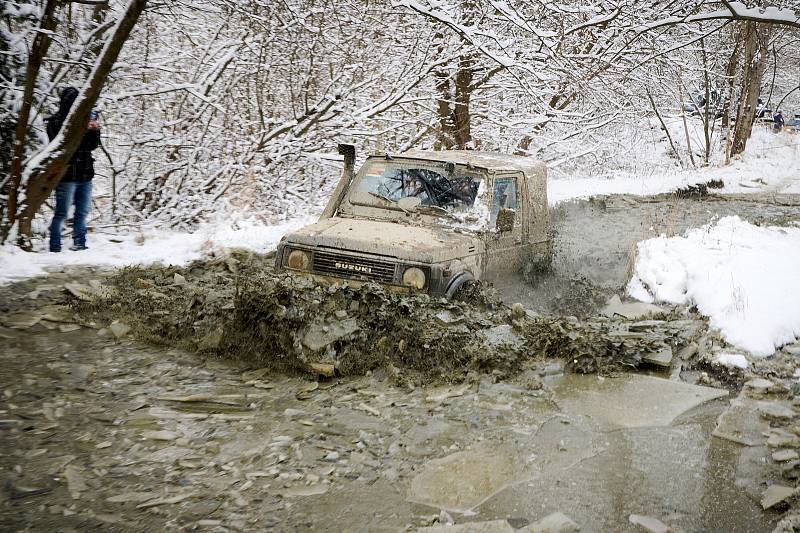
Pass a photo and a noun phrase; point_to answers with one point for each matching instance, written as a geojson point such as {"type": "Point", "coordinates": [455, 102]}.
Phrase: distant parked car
{"type": "Point", "coordinates": [794, 124]}
{"type": "Point", "coordinates": [696, 106]}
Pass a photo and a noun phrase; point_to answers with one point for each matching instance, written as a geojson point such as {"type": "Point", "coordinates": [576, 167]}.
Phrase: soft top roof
{"type": "Point", "coordinates": [487, 160]}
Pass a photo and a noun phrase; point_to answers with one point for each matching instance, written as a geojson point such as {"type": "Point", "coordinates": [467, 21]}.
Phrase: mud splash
{"type": "Point", "coordinates": [241, 309]}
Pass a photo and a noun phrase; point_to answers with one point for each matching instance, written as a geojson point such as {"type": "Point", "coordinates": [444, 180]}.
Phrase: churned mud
{"type": "Point", "coordinates": [595, 240]}
{"type": "Point", "coordinates": [226, 397]}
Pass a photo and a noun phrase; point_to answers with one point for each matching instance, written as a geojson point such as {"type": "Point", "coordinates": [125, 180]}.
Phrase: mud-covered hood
{"type": "Point", "coordinates": [411, 243]}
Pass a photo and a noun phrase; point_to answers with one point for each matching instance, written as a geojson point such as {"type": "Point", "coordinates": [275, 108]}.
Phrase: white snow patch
{"type": "Point", "coordinates": [743, 277]}
{"type": "Point", "coordinates": [770, 164]}
{"type": "Point", "coordinates": [736, 360]}
{"type": "Point", "coordinates": [148, 245]}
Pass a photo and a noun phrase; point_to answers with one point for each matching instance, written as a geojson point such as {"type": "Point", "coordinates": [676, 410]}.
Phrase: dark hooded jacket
{"type": "Point", "coordinates": [81, 166]}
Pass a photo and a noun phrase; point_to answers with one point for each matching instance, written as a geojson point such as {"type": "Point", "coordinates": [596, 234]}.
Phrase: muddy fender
{"type": "Point", "coordinates": [456, 283]}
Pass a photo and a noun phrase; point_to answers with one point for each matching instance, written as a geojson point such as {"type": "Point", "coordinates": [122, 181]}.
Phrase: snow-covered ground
{"type": "Point", "coordinates": [147, 245]}
{"type": "Point", "coordinates": [770, 164]}
{"type": "Point", "coordinates": [743, 277]}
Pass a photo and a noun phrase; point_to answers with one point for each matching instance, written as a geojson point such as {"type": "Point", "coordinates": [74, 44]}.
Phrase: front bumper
{"type": "Point", "coordinates": [357, 268]}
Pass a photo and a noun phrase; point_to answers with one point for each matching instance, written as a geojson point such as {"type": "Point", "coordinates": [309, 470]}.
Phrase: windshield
{"type": "Point", "coordinates": [435, 188]}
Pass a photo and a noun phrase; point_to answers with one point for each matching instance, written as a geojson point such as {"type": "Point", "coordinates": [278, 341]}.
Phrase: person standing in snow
{"type": "Point", "coordinates": [76, 185]}
{"type": "Point", "coordinates": [777, 119]}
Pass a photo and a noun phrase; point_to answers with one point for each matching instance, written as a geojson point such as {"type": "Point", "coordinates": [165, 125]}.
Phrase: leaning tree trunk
{"type": "Point", "coordinates": [41, 43]}
{"type": "Point", "coordinates": [756, 39]}
{"type": "Point", "coordinates": [47, 168]}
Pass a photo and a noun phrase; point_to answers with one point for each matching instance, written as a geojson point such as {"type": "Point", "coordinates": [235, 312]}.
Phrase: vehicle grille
{"type": "Point", "coordinates": [347, 266]}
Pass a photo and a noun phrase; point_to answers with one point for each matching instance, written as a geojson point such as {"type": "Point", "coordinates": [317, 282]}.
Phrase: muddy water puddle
{"type": "Point", "coordinates": [99, 434]}
{"type": "Point", "coordinates": [595, 241]}
{"type": "Point", "coordinates": [121, 436]}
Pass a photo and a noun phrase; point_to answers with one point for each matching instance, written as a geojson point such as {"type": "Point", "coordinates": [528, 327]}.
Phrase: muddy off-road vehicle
{"type": "Point", "coordinates": [426, 221]}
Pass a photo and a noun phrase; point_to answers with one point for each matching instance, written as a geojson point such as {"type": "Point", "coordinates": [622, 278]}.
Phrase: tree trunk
{"type": "Point", "coordinates": [47, 168]}
{"type": "Point", "coordinates": [38, 50]}
{"type": "Point", "coordinates": [444, 139]}
{"type": "Point", "coordinates": [730, 82]}
{"type": "Point", "coordinates": [755, 48]}
{"type": "Point", "coordinates": [461, 112]}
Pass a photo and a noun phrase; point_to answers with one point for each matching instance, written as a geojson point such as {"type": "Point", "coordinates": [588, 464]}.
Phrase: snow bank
{"type": "Point", "coordinates": [148, 245]}
{"type": "Point", "coordinates": [743, 277]}
{"type": "Point", "coordinates": [770, 164]}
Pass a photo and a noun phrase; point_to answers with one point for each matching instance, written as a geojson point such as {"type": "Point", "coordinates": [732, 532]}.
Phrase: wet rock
{"type": "Point", "coordinates": [312, 490]}
{"type": "Point", "coordinates": [648, 523]}
{"type": "Point", "coordinates": [741, 423]}
{"type": "Point", "coordinates": [119, 329]}
{"type": "Point", "coordinates": [19, 492]}
{"type": "Point", "coordinates": [320, 335]}
{"type": "Point", "coordinates": [323, 369]}
{"type": "Point", "coordinates": [80, 291]}
{"type": "Point", "coordinates": [21, 320]}
{"type": "Point", "coordinates": [553, 369]}
{"type": "Point", "coordinates": [164, 501]}
{"type": "Point", "coordinates": [140, 283]}
{"type": "Point", "coordinates": [305, 392]}
{"type": "Point", "coordinates": [776, 494]}
{"type": "Point", "coordinates": [780, 438]}
{"type": "Point", "coordinates": [631, 310]}
{"type": "Point", "coordinates": [502, 335]}
{"type": "Point", "coordinates": [441, 394]}
{"type": "Point", "coordinates": [660, 358]}
{"type": "Point", "coordinates": [784, 455]}
{"type": "Point", "coordinates": [448, 318]}
{"type": "Point", "coordinates": [293, 413]}
{"type": "Point", "coordinates": [493, 526]}
{"type": "Point", "coordinates": [552, 523]}
{"type": "Point", "coordinates": [792, 349]}
{"type": "Point", "coordinates": [332, 457]}
{"type": "Point", "coordinates": [463, 480]}
{"type": "Point", "coordinates": [789, 523]}
{"type": "Point", "coordinates": [76, 483]}
{"type": "Point", "coordinates": [160, 435]}
{"type": "Point", "coordinates": [136, 497]}
{"type": "Point", "coordinates": [776, 411]}
{"type": "Point", "coordinates": [759, 385]}
{"type": "Point", "coordinates": [212, 340]}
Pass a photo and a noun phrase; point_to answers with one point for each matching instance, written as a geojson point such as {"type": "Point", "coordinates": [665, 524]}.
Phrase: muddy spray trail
{"type": "Point", "coordinates": [595, 243]}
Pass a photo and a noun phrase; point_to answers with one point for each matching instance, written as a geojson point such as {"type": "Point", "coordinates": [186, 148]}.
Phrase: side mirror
{"type": "Point", "coordinates": [505, 220]}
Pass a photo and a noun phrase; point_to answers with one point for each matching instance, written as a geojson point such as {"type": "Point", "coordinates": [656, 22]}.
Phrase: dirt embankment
{"type": "Point", "coordinates": [240, 308]}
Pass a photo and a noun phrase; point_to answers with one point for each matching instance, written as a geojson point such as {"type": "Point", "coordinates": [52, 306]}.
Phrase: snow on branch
{"type": "Point", "coordinates": [734, 11]}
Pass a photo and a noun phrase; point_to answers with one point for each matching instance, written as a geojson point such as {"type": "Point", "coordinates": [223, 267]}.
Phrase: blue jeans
{"type": "Point", "coordinates": [66, 193]}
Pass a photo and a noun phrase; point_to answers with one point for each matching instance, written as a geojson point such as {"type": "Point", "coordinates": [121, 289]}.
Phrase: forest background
{"type": "Point", "coordinates": [233, 108]}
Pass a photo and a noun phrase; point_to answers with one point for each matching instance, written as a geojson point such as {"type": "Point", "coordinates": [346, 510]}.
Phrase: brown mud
{"type": "Point", "coordinates": [241, 309]}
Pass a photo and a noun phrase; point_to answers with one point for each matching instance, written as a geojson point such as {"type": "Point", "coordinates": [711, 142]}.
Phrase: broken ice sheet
{"type": "Point", "coordinates": [312, 490]}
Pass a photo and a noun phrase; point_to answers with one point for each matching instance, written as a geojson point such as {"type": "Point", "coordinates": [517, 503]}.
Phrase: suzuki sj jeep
{"type": "Point", "coordinates": [426, 221]}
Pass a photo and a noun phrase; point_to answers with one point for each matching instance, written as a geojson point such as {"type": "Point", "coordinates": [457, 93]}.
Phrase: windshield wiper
{"type": "Point", "coordinates": [393, 202]}
{"type": "Point", "coordinates": [381, 197]}
{"type": "Point", "coordinates": [435, 210]}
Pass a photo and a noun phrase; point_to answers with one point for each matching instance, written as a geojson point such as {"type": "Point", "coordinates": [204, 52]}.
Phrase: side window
{"type": "Point", "coordinates": [504, 196]}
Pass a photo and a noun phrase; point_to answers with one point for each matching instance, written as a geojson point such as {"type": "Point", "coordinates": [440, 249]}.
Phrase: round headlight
{"type": "Point", "coordinates": [414, 277]}
{"type": "Point", "coordinates": [298, 260]}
